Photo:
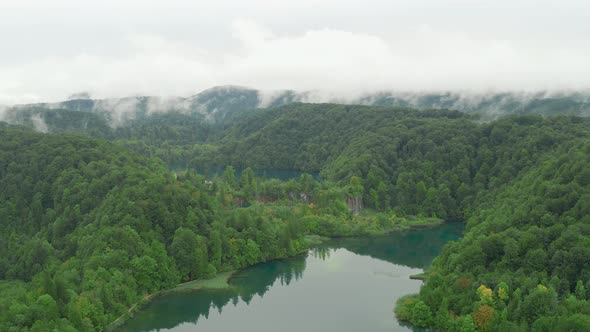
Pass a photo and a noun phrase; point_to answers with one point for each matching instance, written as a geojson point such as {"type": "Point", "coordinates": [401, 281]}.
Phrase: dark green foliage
{"type": "Point", "coordinates": [93, 228]}
{"type": "Point", "coordinates": [467, 325]}
{"type": "Point", "coordinates": [539, 303]}
{"type": "Point", "coordinates": [530, 236]}
{"type": "Point", "coordinates": [89, 229]}
{"type": "Point", "coordinates": [520, 182]}
{"type": "Point", "coordinates": [436, 163]}
{"type": "Point", "coordinates": [421, 315]}
{"type": "Point", "coordinates": [189, 251]}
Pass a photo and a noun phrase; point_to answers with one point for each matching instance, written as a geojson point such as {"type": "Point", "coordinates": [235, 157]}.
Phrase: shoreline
{"type": "Point", "coordinates": [420, 276]}
{"type": "Point", "coordinates": [217, 283]}
{"type": "Point", "coordinates": [399, 228]}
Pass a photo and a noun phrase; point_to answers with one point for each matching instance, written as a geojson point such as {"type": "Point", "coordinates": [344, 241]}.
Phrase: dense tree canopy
{"type": "Point", "coordinates": [528, 245]}
{"type": "Point", "coordinates": [91, 227]}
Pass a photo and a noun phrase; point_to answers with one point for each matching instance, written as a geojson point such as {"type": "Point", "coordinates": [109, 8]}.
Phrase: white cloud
{"type": "Point", "coordinates": [39, 123]}
{"type": "Point", "coordinates": [174, 48]}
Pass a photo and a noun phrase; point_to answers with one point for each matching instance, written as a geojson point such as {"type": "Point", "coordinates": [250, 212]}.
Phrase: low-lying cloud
{"type": "Point", "coordinates": [39, 123]}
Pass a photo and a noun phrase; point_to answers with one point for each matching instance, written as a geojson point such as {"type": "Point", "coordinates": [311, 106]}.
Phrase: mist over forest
{"type": "Point", "coordinates": [217, 104]}
{"type": "Point", "coordinates": [154, 151]}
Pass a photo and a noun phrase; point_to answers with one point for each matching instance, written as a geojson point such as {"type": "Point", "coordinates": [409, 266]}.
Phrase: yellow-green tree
{"type": "Point", "coordinates": [503, 291]}
{"type": "Point", "coordinates": [486, 295]}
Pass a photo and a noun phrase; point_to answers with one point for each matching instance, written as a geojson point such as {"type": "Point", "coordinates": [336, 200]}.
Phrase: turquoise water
{"type": "Point", "coordinates": [283, 175]}
{"type": "Point", "coordinates": [343, 285]}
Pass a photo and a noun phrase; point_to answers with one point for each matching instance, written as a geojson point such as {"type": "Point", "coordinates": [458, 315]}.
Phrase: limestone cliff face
{"type": "Point", "coordinates": [355, 204]}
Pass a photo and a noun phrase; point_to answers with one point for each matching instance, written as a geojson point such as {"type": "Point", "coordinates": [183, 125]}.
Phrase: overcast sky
{"type": "Point", "coordinates": [111, 48]}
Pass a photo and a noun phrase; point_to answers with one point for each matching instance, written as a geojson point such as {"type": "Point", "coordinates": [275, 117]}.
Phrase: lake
{"type": "Point", "coordinates": [283, 175]}
{"type": "Point", "coordinates": [342, 285]}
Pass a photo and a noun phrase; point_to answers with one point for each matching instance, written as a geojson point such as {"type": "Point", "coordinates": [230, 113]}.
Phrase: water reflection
{"type": "Point", "coordinates": [414, 249]}
{"type": "Point", "coordinates": [337, 275]}
{"type": "Point", "coordinates": [247, 284]}
{"type": "Point", "coordinates": [168, 311]}
{"type": "Point", "coordinates": [321, 252]}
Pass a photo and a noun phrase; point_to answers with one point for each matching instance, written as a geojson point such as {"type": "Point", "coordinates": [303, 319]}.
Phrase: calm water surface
{"type": "Point", "coordinates": [343, 285]}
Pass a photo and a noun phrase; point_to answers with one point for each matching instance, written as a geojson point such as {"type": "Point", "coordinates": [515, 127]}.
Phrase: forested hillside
{"type": "Point", "coordinates": [522, 184]}
{"type": "Point", "coordinates": [218, 103]}
{"type": "Point", "coordinates": [88, 229]}
{"type": "Point", "coordinates": [433, 162]}
{"type": "Point", "coordinates": [93, 226]}
{"type": "Point", "coordinates": [524, 261]}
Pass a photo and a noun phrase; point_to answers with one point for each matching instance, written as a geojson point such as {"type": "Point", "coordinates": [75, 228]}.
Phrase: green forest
{"type": "Point", "coordinates": [96, 219]}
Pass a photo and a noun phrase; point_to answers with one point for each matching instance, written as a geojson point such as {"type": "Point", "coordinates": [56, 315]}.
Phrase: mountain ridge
{"type": "Point", "coordinates": [217, 103]}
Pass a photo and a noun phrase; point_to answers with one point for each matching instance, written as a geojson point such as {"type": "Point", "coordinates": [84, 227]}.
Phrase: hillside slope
{"type": "Point", "coordinates": [89, 228]}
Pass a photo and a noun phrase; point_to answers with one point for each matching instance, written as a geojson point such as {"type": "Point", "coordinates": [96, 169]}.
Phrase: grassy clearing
{"type": "Point", "coordinates": [220, 281]}
{"type": "Point", "coordinates": [420, 222]}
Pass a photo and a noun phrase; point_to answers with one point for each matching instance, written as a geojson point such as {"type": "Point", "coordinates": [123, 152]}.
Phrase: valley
{"type": "Point", "coordinates": [99, 217]}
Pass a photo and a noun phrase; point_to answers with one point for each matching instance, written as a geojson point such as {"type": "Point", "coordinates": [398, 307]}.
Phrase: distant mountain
{"type": "Point", "coordinates": [490, 105]}
{"type": "Point", "coordinates": [216, 105]}
{"type": "Point", "coordinates": [219, 102]}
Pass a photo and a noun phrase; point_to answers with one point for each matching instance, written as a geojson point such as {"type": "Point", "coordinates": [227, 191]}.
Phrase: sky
{"type": "Point", "coordinates": [50, 50]}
